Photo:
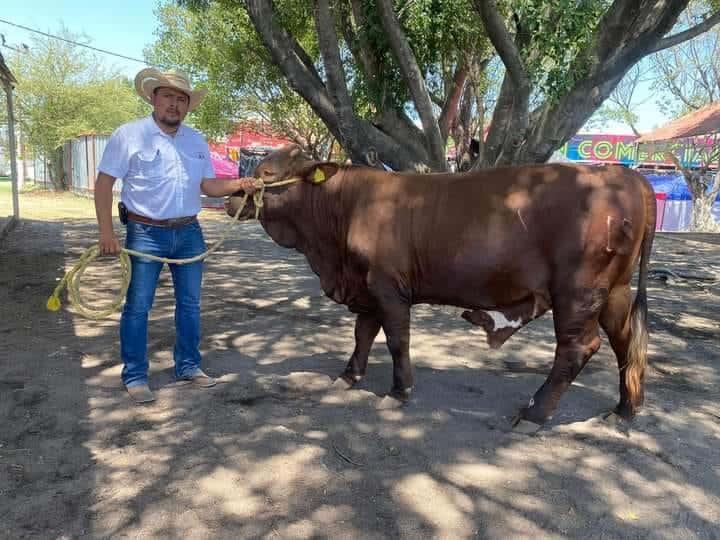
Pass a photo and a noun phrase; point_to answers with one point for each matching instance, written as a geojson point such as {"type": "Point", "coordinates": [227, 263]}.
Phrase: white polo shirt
{"type": "Point", "coordinates": [161, 174]}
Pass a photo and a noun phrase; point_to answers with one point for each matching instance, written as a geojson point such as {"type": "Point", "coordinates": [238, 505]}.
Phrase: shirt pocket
{"type": "Point", "coordinates": [147, 164]}
{"type": "Point", "coordinates": [193, 168]}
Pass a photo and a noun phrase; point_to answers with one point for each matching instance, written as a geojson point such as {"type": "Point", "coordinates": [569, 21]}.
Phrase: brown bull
{"type": "Point", "coordinates": [507, 244]}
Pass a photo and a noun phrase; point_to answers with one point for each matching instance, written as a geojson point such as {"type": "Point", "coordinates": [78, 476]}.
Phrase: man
{"type": "Point", "coordinates": [164, 166]}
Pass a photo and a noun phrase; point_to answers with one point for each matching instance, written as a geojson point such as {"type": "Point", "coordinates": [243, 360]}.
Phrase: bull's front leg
{"type": "Point", "coordinates": [367, 326]}
{"type": "Point", "coordinates": [396, 324]}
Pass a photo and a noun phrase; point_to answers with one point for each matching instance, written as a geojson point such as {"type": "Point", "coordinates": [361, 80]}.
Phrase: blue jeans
{"type": "Point", "coordinates": [176, 243]}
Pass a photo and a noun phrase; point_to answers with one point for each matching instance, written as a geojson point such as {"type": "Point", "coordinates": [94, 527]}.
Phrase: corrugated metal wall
{"type": "Point", "coordinates": [41, 173]}
{"type": "Point", "coordinates": [82, 157]}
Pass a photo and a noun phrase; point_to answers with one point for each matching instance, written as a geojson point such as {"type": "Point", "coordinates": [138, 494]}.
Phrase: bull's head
{"type": "Point", "coordinates": [286, 163]}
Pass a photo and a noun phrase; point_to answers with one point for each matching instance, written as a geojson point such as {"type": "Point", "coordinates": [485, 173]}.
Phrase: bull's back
{"type": "Point", "coordinates": [492, 237]}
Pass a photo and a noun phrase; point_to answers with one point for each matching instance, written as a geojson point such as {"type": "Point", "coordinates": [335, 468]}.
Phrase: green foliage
{"type": "Point", "coordinates": [217, 45]}
{"type": "Point", "coordinates": [555, 33]}
{"type": "Point", "coordinates": [441, 33]}
{"type": "Point", "coordinates": [216, 42]}
{"type": "Point", "coordinates": [62, 93]}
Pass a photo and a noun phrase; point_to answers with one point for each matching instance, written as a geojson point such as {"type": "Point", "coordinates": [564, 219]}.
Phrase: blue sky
{"type": "Point", "coordinates": [123, 27]}
{"type": "Point", "coordinates": [127, 28]}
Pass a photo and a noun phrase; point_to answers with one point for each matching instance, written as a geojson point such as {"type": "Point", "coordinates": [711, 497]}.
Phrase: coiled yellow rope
{"type": "Point", "coordinates": [71, 280]}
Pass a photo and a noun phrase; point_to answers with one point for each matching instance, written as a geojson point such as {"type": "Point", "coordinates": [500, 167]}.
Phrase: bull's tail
{"type": "Point", "coordinates": [636, 359]}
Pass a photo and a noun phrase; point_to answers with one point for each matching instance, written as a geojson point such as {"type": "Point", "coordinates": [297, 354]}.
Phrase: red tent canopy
{"type": "Point", "coordinates": [249, 135]}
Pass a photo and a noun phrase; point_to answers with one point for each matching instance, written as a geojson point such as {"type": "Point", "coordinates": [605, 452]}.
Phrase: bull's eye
{"type": "Point", "coordinates": [267, 173]}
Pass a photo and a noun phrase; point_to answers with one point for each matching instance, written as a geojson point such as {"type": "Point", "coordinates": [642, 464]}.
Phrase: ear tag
{"type": "Point", "coordinates": [319, 176]}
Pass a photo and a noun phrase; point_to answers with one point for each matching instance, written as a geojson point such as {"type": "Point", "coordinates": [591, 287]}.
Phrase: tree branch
{"type": "Point", "coordinates": [303, 79]}
{"type": "Point", "coordinates": [503, 43]}
{"type": "Point", "coordinates": [413, 76]}
{"type": "Point", "coordinates": [450, 107]}
{"type": "Point", "coordinates": [628, 32]}
{"type": "Point", "coordinates": [514, 101]}
{"type": "Point", "coordinates": [359, 46]}
{"type": "Point", "coordinates": [398, 126]}
{"type": "Point", "coordinates": [330, 51]}
{"type": "Point", "coordinates": [283, 49]}
{"type": "Point", "coordinates": [690, 33]}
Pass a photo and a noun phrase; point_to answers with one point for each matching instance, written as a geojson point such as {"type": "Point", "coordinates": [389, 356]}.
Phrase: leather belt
{"type": "Point", "coordinates": [173, 222]}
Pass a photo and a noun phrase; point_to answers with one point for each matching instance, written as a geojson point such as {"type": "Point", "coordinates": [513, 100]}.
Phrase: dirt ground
{"type": "Point", "coordinates": [273, 452]}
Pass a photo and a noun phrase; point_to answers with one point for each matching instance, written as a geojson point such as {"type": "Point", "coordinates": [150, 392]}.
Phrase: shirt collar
{"type": "Point", "coordinates": [155, 129]}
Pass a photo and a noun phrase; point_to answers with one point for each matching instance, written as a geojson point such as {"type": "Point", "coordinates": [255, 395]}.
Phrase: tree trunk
{"type": "Point", "coordinates": [702, 216]}
{"type": "Point", "coordinates": [57, 170]}
{"type": "Point", "coordinates": [629, 31]}
{"type": "Point", "coordinates": [703, 201]}
{"type": "Point", "coordinates": [416, 83]}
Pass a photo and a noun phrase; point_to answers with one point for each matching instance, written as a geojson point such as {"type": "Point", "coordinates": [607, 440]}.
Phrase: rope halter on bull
{"type": "Point", "coordinates": [71, 280]}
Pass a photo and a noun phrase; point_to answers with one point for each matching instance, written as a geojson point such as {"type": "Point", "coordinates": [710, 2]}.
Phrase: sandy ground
{"type": "Point", "coordinates": [273, 452]}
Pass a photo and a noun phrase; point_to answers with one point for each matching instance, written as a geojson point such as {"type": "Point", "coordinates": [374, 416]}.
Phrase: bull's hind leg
{"type": "Point", "coordinates": [367, 326]}
{"type": "Point", "coordinates": [615, 320]}
{"type": "Point", "coordinates": [575, 314]}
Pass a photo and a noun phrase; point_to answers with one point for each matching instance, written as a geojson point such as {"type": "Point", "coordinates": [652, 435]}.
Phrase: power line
{"type": "Point", "coordinates": [75, 42]}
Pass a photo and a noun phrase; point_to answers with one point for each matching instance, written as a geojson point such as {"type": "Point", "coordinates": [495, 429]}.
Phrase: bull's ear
{"type": "Point", "coordinates": [318, 173]}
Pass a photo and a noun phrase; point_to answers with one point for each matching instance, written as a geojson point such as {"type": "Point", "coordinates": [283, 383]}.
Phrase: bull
{"type": "Point", "coordinates": [506, 244]}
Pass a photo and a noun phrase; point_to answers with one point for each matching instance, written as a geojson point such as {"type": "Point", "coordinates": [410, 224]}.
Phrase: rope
{"type": "Point", "coordinates": [72, 278]}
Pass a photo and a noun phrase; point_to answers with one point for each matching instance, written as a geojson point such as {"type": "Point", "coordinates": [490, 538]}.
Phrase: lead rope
{"type": "Point", "coordinates": [72, 277]}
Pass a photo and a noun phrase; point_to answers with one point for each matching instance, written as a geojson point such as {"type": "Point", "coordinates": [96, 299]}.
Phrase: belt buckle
{"type": "Point", "coordinates": [179, 222]}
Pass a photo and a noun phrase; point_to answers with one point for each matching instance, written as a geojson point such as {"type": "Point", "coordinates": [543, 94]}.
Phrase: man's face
{"type": "Point", "coordinates": [170, 106]}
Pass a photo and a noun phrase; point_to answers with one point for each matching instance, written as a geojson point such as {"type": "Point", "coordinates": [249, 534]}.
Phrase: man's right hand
{"type": "Point", "coordinates": [249, 184]}
{"type": "Point", "coordinates": [109, 244]}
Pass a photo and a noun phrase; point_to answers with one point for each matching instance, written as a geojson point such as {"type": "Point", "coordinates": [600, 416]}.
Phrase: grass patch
{"type": "Point", "coordinates": [46, 205]}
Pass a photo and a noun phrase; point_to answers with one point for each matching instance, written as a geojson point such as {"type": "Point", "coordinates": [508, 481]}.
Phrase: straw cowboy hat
{"type": "Point", "coordinates": [149, 79]}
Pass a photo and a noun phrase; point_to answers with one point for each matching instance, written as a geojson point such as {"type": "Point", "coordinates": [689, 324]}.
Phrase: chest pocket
{"type": "Point", "coordinates": [147, 164]}
{"type": "Point", "coordinates": [193, 167]}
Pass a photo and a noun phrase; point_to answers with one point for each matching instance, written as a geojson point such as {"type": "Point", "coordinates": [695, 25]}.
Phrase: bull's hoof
{"type": "Point", "coordinates": [401, 395]}
{"type": "Point", "coordinates": [343, 382]}
{"type": "Point", "coordinates": [625, 411]}
{"type": "Point", "coordinates": [616, 421]}
{"type": "Point", "coordinates": [618, 417]}
{"type": "Point", "coordinates": [346, 380]}
{"type": "Point", "coordinates": [612, 418]}
{"type": "Point", "coordinates": [525, 426]}
{"type": "Point", "coordinates": [389, 402]}
{"type": "Point", "coordinates": [395, 399]}
{"type": "Point", "coordinates": [532, 413]}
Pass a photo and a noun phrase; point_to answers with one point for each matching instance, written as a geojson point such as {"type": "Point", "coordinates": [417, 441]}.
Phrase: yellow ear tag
{"type": "Point", "coordinates": [319, 176]}
{"type": "Point", "coordinates": [53, 303]}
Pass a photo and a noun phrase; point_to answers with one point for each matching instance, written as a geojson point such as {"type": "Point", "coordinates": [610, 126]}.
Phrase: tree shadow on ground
{"type": "Point", "coordinates": [273, 451]}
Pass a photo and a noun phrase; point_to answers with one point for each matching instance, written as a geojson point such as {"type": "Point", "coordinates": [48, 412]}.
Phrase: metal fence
{"type": "Point", "coordinates": [40, 172]}
{"type": "Point", "coordinates": [81, 157]}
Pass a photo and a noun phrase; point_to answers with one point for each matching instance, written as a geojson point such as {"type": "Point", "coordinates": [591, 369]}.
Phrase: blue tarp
{"type": "Point", "coordinates": [673, 185]}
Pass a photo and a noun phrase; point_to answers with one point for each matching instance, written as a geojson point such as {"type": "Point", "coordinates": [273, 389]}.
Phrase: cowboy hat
{"type": "Point", "coordinates": [150, 79]}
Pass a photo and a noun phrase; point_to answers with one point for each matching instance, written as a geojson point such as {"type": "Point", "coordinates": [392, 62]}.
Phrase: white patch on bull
{"type": "Point", "coordinates": [532, 402]}
{"type": "Point", "coordinates": [500, 321]}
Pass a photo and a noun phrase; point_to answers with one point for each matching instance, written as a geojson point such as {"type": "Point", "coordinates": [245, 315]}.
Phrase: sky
{"type": "Point", "coordinates": [127, 27]}
{"type": "Point", "coordinates": [123, 27]}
